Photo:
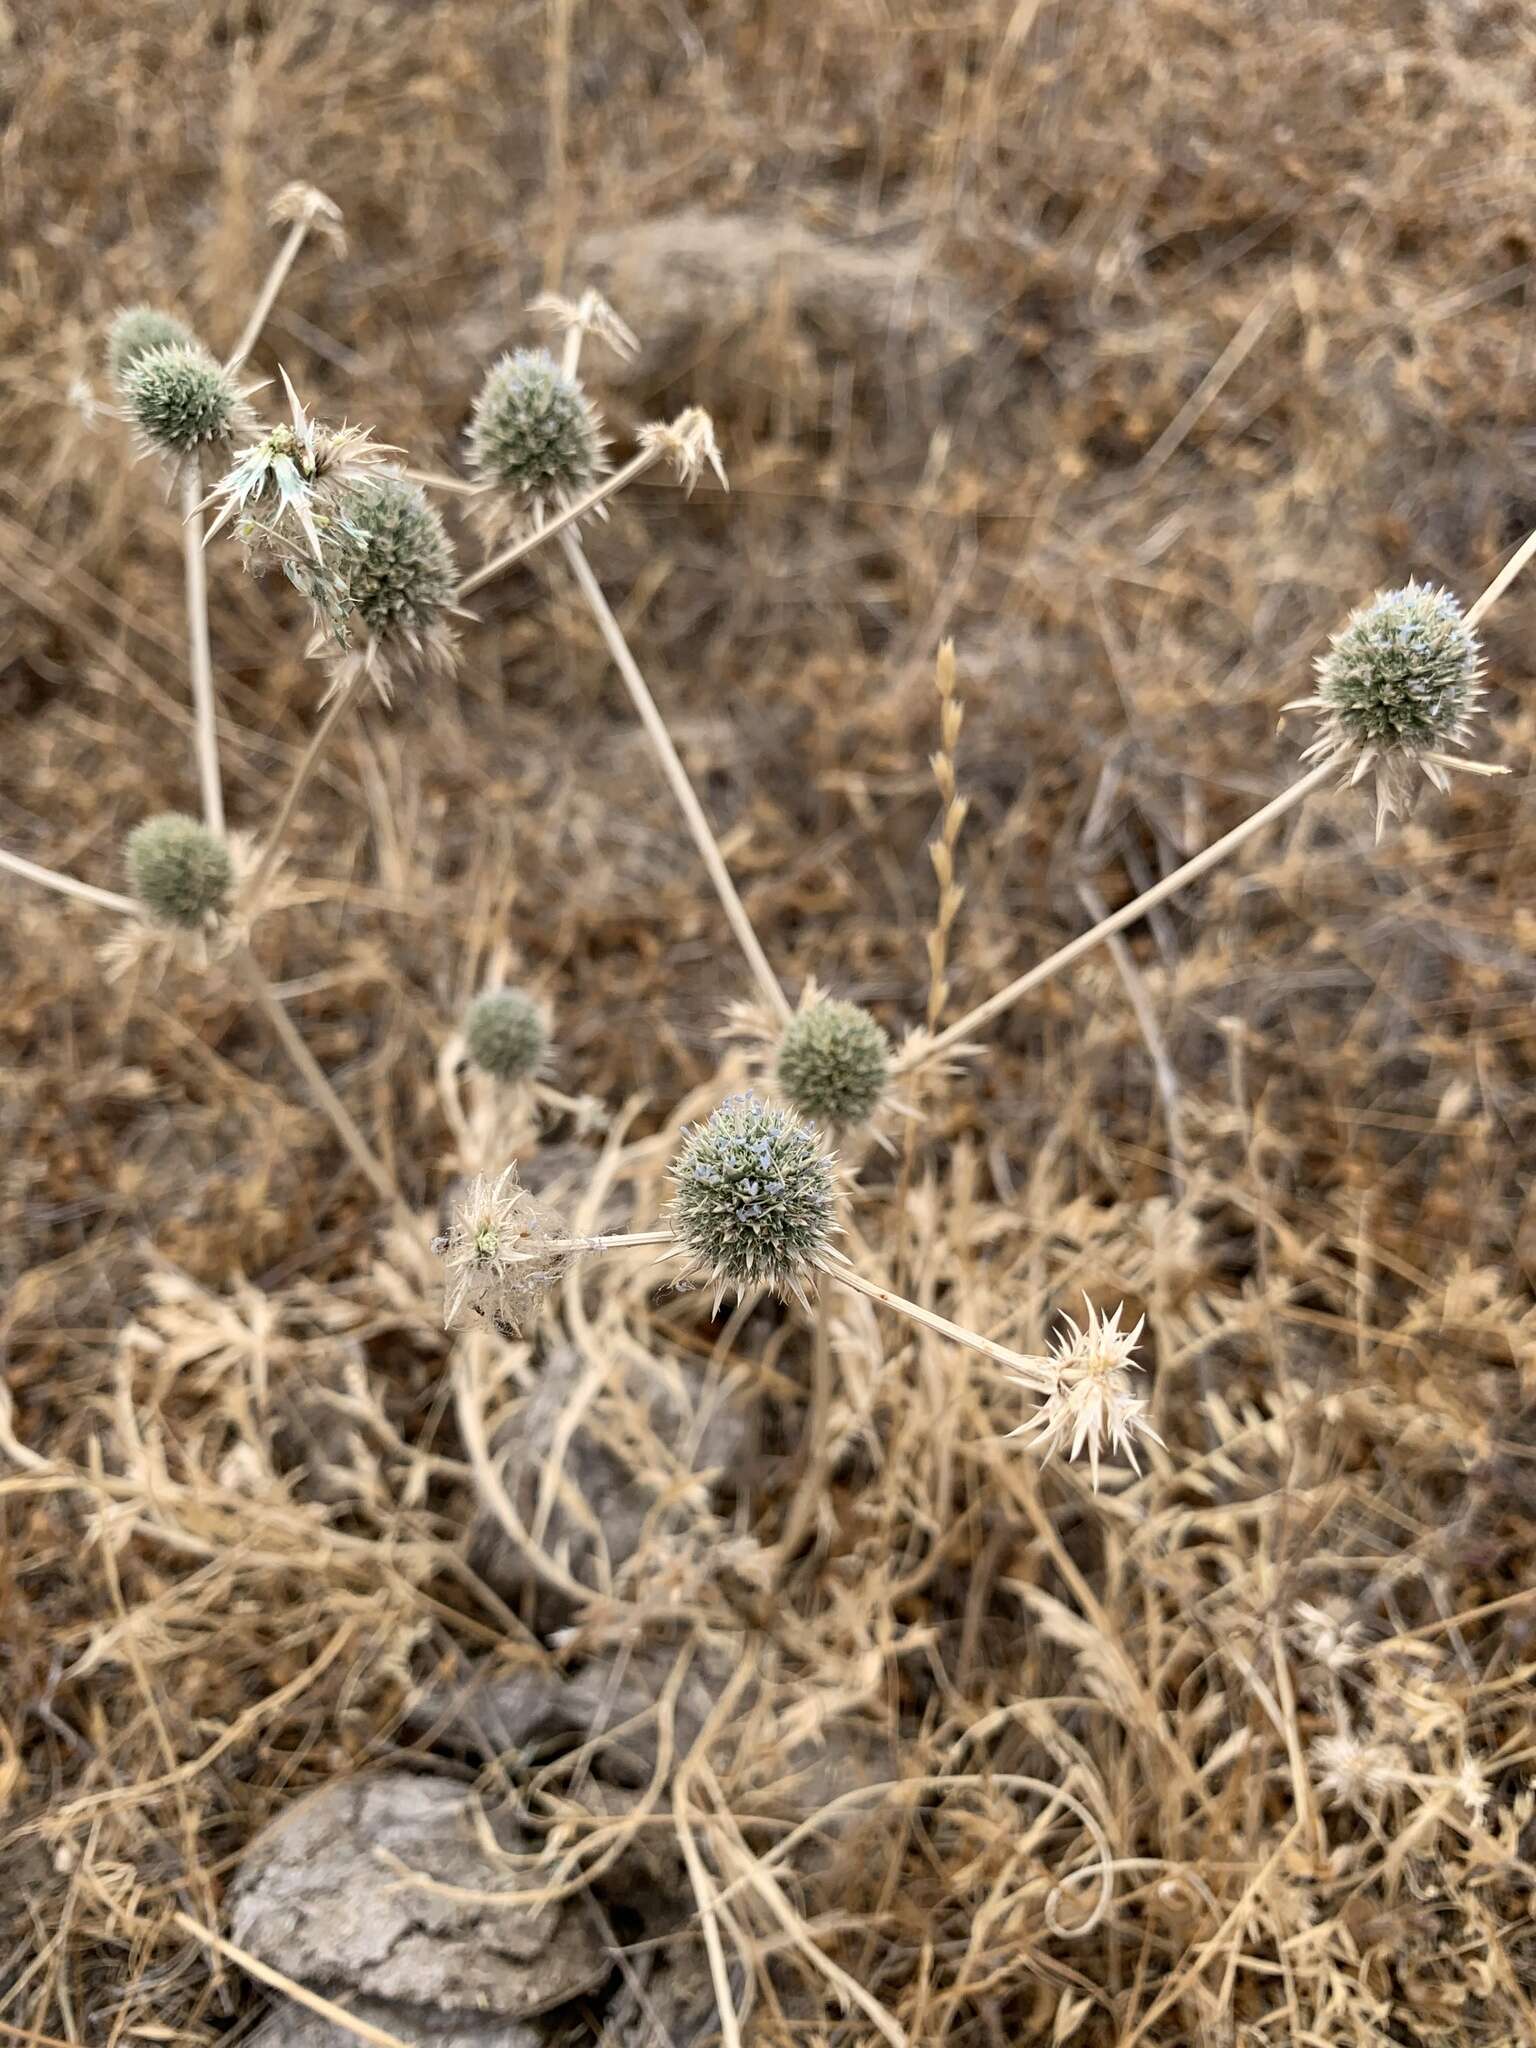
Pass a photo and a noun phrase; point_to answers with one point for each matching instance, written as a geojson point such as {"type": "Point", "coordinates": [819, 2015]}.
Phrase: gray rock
{"type": "Point", "coordinates": [320, 1895]}
{"type": "Point", "coordinates": [296, 2027]}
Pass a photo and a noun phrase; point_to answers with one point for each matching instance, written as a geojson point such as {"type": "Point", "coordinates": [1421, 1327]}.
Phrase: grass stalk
{"type": "Point", "coordinates": [266, 298]}
{"type": "Point", "coordinates": [577, 509]}
{"type": "Point", "coordinates": [677, 777]}
{"type": "Point", "coordinates": [331, 718]}
{"type": "Point", "coordinates": [326, 1098]}
{"type": "Point", "coordinates": [205, 710]}
{"type": "Point", "coordinates": [66, 885]}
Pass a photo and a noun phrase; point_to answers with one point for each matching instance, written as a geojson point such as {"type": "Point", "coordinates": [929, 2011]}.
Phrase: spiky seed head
{"type": "Point", "coordinates": [179, 870]}
{"type": "Point", "coordinates": [393, 558]}
{"type": "Point", "coordinates": [534, 430]}
{"type": "Point", "coordinates": [180, 399]}
{"type": "Point", "coordinates": [834, 1062]}
{"type": "Point", "coordinates": [505, 1034]}
{"type": "Point", "coordinates": [752, 1197]}
{"type": "Point", "coordinates": [1395, 691]}
{"type": "Point", "coordinates": [137, 328]}
{"type": "Point", "coordinates": [1403, 672]}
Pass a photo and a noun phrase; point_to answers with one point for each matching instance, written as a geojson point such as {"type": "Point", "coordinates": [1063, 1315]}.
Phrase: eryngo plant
{"type": "Point", "coordinates": [180, 871]}
{"type": "Point", "coordinates": [1396, 691]}
{"type": "Point", "coordinates": [505, 1034]}
{"type": "Point", "coordinates": [137, 329]}
{"type": "Point", "coordinates": [181, 400]}
{"type": "Point", "coordinates": [834, 1062]}
{"type": "Point", "coordinates": [534, 432]}
{"type": "Point", "coordinates": [753, 1198]}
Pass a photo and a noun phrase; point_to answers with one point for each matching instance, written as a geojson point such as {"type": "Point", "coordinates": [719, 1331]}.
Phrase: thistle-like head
{"type": "Point", "coordinates": [1396, 692]}
{"type": "Point", "coordinates": [181, 400]}
{"type": "Point", "coordinates": [753, 1197]}
{"type": "Point", "coordinates": [180, 871]}
{"type": "Point", "coordinates": [506, 1034]}
{"type": "Point", "coordinates": [137, 328]}
{"type": "Point", "coordinates": [534, 432]}
{"type": "Point", "coordinates": [834, 1062]}
{"type": "Point", "coordinates": [393, 560]}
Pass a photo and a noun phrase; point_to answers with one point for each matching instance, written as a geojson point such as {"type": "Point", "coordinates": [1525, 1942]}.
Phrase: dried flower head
{"type": "Point", "coordinates": [301, 202]}
{"type": "Point", "coordinates": [137, 328]}
{"type": "Point", "coordinates": [590, 314]}
{"type": "Point", "coordinates": [506, 1034]}
{"type": "Point", "coordinates": [1398, 686]}
{"type": "Point", "coordinates": [181, 400]}
{"type": "Point", "coordinates": [180, 871]}
{"type": "Point", "coordinates": [535, 433]}
{"type": "Point", "coordinates": [1091, 1402]}
{"type": "Point", "coordinates": [501, 1253]}
{"type": "Point", "coordinates": [1349, 1771]}
{"type": "Point", "coordinates": [688, 442]}
{"type": "Point", "coordinates": [752, 1197]}
{"type": "Point", "coordinates": [834, 1062]}
{"type": "Point", "coordinates": [289, 496]}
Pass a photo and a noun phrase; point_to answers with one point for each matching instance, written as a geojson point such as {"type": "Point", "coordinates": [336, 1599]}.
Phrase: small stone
{"type": "Point", "coordinates": [321, 1897]}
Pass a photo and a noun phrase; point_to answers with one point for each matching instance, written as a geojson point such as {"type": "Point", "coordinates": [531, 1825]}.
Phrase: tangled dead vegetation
{"type": "Point", "coordinates": [943, 1747]}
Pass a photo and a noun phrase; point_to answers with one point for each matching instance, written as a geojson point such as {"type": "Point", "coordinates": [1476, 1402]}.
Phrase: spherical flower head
{"type": "Point", "coordinates": [1397, 689]}
{"type": "Point", "coordinates": [138, 328]}
{"type": "Point", "coordinates": [834, 1062]}
{"type": "Point", "coordinates": [393, 559]}
{"type": "Point", "coordinates": [505, 1034]}
{"type": "Point", "coordinates": [179, 870]}
{"type": "Point", "coordinates": [1091, 1401]}
{"type": "Point", "coordinates": [180, 399]}
{"type": "Point", "coordinates": [534, 431]}
{"type": "Point", "coordinates": [753, 1200]}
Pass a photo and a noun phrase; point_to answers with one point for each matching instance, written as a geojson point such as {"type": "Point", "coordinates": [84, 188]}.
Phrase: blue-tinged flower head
{"type": "Point", "coordinates": [753, 1197]}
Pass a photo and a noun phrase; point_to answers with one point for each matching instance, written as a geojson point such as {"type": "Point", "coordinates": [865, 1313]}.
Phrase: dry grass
{"type": "Point", "coordinates": [1130, 346]}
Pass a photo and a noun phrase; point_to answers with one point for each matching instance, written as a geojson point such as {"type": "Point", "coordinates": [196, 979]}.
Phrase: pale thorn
{"type": "Point", "coordinates": [590, 314]}
{"type": "Point", "coordinates": [687, 442]}
{"type": "Point", "coordinates": [300, 202]}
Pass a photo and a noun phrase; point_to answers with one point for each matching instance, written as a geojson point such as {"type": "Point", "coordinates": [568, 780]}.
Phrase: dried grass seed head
{"type": "Point", "coordinates": [180, 871]}
{"type": "Point", "coordinates": [1397, 688]}
{"type": "Point", "coordinates": [506, 1034]}
{"type": "Point", "coordinates": [753, 1197]}
{"type": "Point", "coordinates": [534, 431]}
{"type": "Point", "coordinates": [181, 400]}
{"type": "Point", "coordinates": [136, 329]}
{"type": "Point", "coordinates": [500, 1252]}
{"type": "Point", "coordinates": [834, 1062]}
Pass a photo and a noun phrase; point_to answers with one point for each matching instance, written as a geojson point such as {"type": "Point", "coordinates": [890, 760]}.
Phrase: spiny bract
{"type": "Point", "coordinates": [834, 1061]}
{"type": "Point", "coordinates": [505, 1034]}
{"type": "Point", "coordinates": [179, 870]}
{"type": "Point", "coordinates": [180, 399]}
{"type": "Point", "coordinates": [137, 328]}
{"type": "Point", "coordinates": [752, 1196]}
{"type": "Point", "coordinates": [533, 429]}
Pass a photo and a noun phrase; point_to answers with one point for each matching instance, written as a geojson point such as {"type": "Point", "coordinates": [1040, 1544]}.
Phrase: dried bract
{"type": "Point", "coordinates": [1091, 1403]}
{"type": "Point", "coordinates": [497, 1253]}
